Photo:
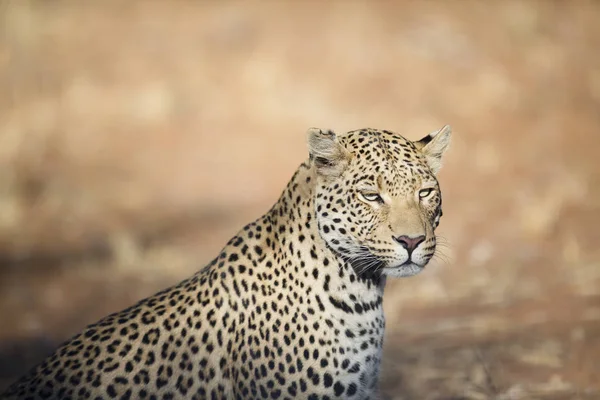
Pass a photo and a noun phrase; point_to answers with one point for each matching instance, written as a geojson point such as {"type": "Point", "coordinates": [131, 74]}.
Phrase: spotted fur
{"type": "Point", "coordinates": [291, 307]}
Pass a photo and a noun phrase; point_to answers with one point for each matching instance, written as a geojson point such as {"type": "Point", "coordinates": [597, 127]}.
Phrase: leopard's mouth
{"type": "Point", "coordinates": [410, 264]}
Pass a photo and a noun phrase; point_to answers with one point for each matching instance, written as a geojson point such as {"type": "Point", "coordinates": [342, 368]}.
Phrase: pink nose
{"type": "Point", "coordinates": [410, 244]}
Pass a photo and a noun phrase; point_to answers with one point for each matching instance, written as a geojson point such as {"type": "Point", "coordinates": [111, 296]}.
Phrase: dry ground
{"type": "Point", "coordinates": [136, 137]}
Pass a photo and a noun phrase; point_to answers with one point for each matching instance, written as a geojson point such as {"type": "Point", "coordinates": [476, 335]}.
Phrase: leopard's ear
{"type": "Point", "coordinates": [433, 147]}
{"type": "Point", "coordinates": [327, 155]}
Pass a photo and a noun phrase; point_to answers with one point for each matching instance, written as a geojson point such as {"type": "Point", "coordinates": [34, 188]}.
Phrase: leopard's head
{"type": "Point", "coordinates": [377, 200]}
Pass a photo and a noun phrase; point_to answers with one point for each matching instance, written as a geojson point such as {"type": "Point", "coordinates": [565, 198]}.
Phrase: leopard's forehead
{"type": "Point", "coordinates": [386, 155]}
{"type": "Point", "coordinates": [375, 144]}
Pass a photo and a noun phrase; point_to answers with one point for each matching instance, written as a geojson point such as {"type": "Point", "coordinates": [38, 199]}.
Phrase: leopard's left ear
{"type": "Point", "coordinates": [327, 155]}
{"type": "Point", "coordinates": [433, 146]}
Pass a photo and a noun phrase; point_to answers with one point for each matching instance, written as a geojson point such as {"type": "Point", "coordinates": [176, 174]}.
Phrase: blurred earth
{"type": "Point", "coordinates": [137, 137]}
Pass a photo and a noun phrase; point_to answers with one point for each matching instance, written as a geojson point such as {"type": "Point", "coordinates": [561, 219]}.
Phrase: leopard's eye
{"type": "Point", "coordinates": [423, 193]}
{"type": "Point", "coordinates": [372, 197]}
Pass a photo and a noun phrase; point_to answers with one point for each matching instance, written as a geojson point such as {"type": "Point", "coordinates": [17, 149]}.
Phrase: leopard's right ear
{"type": "Point", "coordinates": [327, 155]}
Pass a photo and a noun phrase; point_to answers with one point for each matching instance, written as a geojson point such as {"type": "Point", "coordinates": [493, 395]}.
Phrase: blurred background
{"type": "Point", "coordinates": [137, 137]}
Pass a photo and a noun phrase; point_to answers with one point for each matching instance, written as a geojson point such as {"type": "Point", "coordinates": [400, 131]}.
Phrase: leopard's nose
{"type": "Point", "coordinates": [410, 244]}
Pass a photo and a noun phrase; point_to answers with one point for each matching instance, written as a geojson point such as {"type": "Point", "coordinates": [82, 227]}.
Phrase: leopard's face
{"type": "Point", "coordinates": [377, 199]}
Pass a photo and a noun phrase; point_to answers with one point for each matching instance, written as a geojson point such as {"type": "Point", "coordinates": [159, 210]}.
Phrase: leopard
{"type": "Point", "coordinates": [292, 306]}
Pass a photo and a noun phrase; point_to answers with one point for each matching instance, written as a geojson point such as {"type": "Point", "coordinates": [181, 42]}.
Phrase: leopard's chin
{"type": "Point", "coordinates": [403, 270]}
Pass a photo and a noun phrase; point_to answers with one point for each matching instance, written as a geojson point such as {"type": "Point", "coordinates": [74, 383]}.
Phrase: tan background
{"type": "Point", "coordinates": [137, 137]}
